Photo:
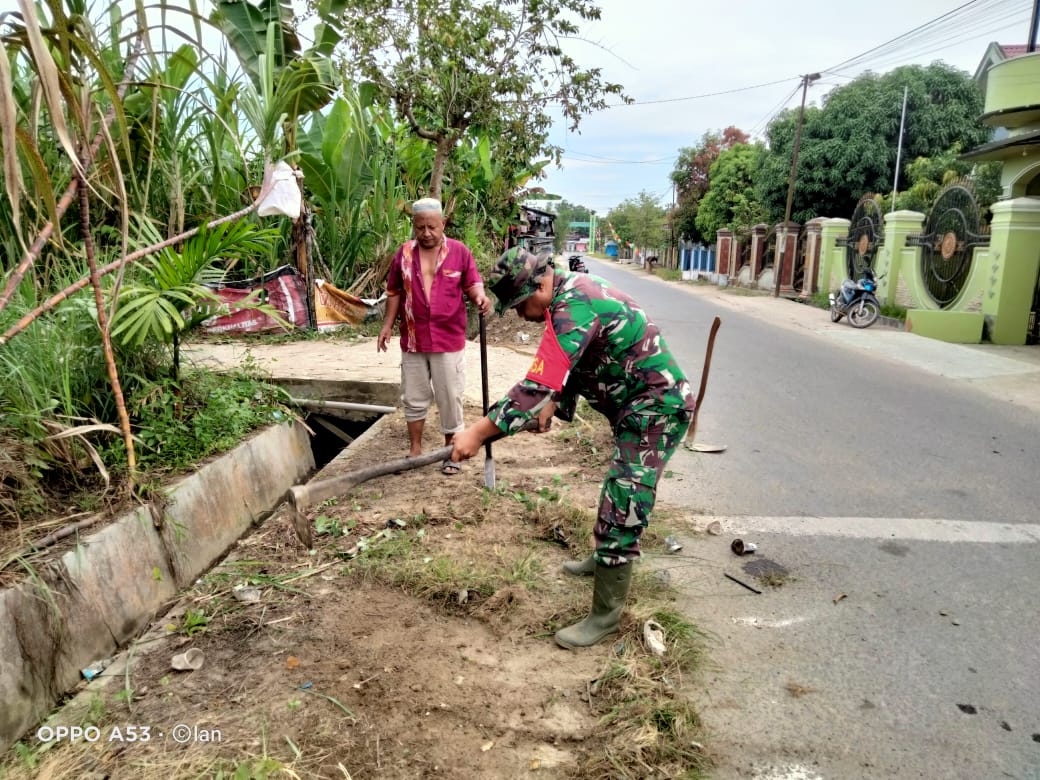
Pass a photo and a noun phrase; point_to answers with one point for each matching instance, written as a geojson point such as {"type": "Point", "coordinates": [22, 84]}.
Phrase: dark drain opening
{"type": "Point", "coordinates": [334, 434]}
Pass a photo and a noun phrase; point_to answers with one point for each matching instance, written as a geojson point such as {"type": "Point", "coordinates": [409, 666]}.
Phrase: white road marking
{"type": "Point", "coordinates": [788, 772]}
{"type": "Point", "coordinates": [763, 623]}
{"type": "Point", "coordinates": [911, 529]}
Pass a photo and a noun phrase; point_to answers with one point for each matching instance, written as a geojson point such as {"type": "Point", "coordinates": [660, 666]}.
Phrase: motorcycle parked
{"type": "Point", "coordinates": [856, 300]}
{"type": "Point", "coordinates": [576, 263]}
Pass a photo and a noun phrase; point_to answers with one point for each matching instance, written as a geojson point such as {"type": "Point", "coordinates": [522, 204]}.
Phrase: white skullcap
{"type": "Point", "coordinates": [427, 206]}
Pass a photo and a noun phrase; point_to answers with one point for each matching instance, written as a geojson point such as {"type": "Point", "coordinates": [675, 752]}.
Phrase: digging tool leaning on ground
{"type": "Point", "coordinates": [597, 343]}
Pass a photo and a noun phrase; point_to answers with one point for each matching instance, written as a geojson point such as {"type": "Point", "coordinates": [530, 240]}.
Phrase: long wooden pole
{"type": "Point", "coordinates": [104, 270]}
{"type": "Point", "coordinates": [1033, 23]}
{"type": "Point", "coordinates": [899, 149]}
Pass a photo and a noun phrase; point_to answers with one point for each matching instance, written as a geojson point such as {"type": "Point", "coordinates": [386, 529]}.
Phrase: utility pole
{"type": "Point", "coordinates": [1031, 43]}
{"type": "Point", "coordinates": [899, 149]}
{"type": "Point", "coordinates": [671, 220]}
{"type": "Point", "coordinates": [807, 79]}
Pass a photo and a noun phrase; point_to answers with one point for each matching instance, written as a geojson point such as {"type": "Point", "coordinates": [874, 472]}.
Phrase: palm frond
{"type": "Point", "coordinates": [174, 286]}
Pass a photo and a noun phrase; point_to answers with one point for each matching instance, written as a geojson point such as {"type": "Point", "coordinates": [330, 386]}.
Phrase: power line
{"type": "Point", "coordinates": [704, 95]}
{"type": "Point", "coordinates": [896, 58]}
{"type": "Point", "coordinates": [762, 123]}
{"type": "Point", "coordinates": [968, 17]}
{"type": "Point", "coordinates": [898, 38]}
{"type": "Point", "coordinates": [610, 161]}
{"type": "Point", "coordinates": [949, 39]}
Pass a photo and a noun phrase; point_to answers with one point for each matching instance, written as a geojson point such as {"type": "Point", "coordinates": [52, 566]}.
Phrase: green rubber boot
{"type": "Point", "coordinates": [585, 568]}
{"type": "Point", "coordinates": [608, 600]}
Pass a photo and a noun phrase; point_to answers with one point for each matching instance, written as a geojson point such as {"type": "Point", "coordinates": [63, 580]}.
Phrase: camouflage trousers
{"type": "Point", "coordinates": [643, 445]}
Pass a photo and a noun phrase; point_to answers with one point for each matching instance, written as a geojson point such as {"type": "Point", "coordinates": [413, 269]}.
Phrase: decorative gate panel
{"type": "Point", "coordinates": [800, 250]}
{"type": "Point", "coordinates": [952, 231]}
{"type": "Point", "coordinates": [866, 234]}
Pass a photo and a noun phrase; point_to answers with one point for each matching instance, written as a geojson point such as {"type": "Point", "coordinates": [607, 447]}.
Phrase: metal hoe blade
{"type": "Point", "coordinates": [697, 447]}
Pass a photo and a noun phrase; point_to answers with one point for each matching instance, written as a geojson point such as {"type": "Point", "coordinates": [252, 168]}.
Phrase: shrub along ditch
{"type": "Point", "coordinates": [58, 456]}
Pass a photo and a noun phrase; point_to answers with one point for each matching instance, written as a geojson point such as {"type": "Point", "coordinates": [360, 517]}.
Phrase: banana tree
{"type": "Point", "coordinates": [349, 156]}
{"type": "Point", "coordinates": [285, 84]}
{"type": "Point", "coordinates": [486, 178]}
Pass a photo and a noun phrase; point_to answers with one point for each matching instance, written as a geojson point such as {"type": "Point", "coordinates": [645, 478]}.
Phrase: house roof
{"type": "Point", "coordinates": [997, 52]}
{"type": "Point", "coordinates": [539, 212]}
{"type": "Point", "coordinates": [1013, 51]}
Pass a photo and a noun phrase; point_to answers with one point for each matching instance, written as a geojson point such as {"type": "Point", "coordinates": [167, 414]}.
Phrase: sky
{"type": "Point", "coordinates": [693, 66]}
{"type": "Point", "coordinates": [672, 51]}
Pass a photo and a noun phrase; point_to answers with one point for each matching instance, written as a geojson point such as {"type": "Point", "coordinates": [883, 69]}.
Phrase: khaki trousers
{"type": "Point", "coordinates": [434, 376]}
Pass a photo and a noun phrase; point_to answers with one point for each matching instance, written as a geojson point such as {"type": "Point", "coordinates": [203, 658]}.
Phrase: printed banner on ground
{"type": "Point", "coordinates": [283, 289]}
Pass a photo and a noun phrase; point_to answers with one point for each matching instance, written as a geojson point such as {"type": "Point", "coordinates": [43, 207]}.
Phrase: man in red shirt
{"type": "Point", "coordinates": [428, 277]}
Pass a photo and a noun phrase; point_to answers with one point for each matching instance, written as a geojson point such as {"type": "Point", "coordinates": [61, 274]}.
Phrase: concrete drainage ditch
{"type": "Point", "coordinates": [92, 600]}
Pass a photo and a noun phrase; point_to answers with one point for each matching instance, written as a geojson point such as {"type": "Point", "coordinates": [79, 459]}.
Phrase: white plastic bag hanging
{"type": "Point", "coordinates": [283, 198]}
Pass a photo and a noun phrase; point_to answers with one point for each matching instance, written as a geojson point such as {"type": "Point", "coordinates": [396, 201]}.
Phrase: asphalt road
{"type": "Point", "coordinates": [816, 428]}
{"type": "Point", "coordinates": [897, 507]}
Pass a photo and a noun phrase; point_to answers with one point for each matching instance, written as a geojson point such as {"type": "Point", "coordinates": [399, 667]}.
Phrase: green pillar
{"type": "Point", "coordinates": [832, 257]}
{"type": "Point", "coordinates": [897, 262]}
{"type": "Point", "coordinates": [1014, 256]}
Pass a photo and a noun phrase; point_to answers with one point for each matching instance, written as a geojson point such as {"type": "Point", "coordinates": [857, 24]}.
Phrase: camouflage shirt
{"type": "Point", "coordinates": [618, 359]}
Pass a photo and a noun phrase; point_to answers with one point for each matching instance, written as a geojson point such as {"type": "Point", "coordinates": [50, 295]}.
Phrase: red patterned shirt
{"type": "Point", "coordinates": [436, 323]}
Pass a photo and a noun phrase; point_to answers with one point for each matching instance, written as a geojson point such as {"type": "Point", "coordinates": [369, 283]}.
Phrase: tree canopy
{"type": "Point", "coordinates": [449, 66]}
{"type": "Point", "coordinates": [731, 201]}
{"type": "Point", "coordinates": [926, 176]}
{"type": "Point", "coordinates": [640, 220]}
{"type": "Point", "coordinates": [691, 177]}
{"type": "Point", "coordinates": [849, 144]}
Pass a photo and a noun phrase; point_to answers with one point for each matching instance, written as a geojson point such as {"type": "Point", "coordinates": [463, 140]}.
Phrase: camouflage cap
{"type": "Point", "coordinates": [516, 276]}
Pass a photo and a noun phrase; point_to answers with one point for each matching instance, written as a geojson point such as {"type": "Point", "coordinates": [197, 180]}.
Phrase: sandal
{"type": "Point", "coordinates": [450, 468]}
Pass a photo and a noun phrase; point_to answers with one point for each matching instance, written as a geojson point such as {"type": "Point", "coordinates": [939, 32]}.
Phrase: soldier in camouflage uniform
{"type": "Point", "coordinates": [597, 343]}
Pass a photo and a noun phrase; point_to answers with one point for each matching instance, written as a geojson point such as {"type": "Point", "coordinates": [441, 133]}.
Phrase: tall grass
{"type": "Point", "coordinates": [54, 375]}
{"type": "Point", "coordinates": [176, 137]}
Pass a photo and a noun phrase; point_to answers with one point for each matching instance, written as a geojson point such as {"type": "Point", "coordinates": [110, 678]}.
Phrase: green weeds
{"type": "Point", "coordinates": [669, 274]}
{"type": "Point", "coordinates": [194, 621]}
{"type": "Point", "coordinates": [183, 423]}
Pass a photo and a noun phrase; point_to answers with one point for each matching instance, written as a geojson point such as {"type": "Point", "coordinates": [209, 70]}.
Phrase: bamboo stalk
{"type": "Point", "coordinates": [102, 318]}
{"type": "Point", "coordinates": [75, 287]}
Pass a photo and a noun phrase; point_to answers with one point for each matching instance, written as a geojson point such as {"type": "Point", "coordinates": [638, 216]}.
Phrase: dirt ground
{"type": "Point", "coordinates": [413, 641]}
